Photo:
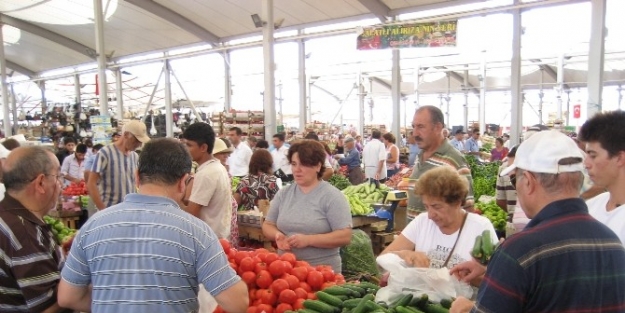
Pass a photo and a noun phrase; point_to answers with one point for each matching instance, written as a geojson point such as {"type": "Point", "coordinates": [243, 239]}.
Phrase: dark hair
{"type": "Point", "coordinates": [67, 140]}
{"type": "Point", "coordinates": [202, 134]}
{"type": "Point", "coordinates": [89, 143]}
{"type": "Point", "coordinates": [262, 144]}
{"type": "Point", "coordinates": [376, 134]}
{"type": "Point", "coordinates": [499, 140]}
{"type": "Point", "coordinates": [312, 136]}
{"type": "Point", "coordinates": [33, 162]}
{"type": "Point", "coordinates": [279, 136]}
{"type": "Point", "coordinates": [81, 148]}
{"type": "Point", "coordinates": [237, 130]}
{"type": "Point", "coordinates": [163, 161]}
{"type": "Point", "coordinates": [512, 152]}
{"type": "Point", "coordinates": [98, 146]}
{"type": "Point", "coordinates": [475, 131]}
{"type": "Point", "coordinates": [389, 137]}
{"type": "Point", "coordinates": [607, 129]}
{"type": "Point", "coordinates": [310, 153]}
{"type": "Point", "coordinates": [227, 142]}
{"type": "Point", "coordinates": [252, 138]}
{"type": "Point", "coordinates": [261, 161]}
{"type": "Point", "coordinates": [11, 144]}
{"type": "Point", "coordinates": [436, 115]}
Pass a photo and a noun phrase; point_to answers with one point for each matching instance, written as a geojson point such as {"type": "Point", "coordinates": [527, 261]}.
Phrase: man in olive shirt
{"type": "Point", "coordinates": [427, 128]}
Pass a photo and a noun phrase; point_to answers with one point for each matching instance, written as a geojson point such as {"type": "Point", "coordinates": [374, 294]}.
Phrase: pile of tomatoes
{"type": "Point", "coordinates": [76, 189]}
{"type": "Point", "coordinates": [278, 283]}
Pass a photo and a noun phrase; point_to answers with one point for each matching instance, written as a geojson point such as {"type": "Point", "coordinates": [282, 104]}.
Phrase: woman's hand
{"type": "Point", "coordinates": [414, 258]}
{"type": "Point", "coordinates": [461, 305]}
{"type": "Point", "coordinates": [281, 242]}
{"type": "Point", "coordinates": [298, 241]}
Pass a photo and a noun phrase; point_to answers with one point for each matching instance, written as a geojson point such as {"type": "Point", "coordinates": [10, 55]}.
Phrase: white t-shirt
{"type": "Point", "coordinates": [280, 160]}
{"type": "Point", "coordinates": [211, 190]}
{"type": "Point", "coordinates": [429, 239]}
{"type": "Point", "coordinates": [239, 160]}
{"type": "Point", "coordinates": [372, 154]}
{"type": "Point", "coordinates": [614, 219]}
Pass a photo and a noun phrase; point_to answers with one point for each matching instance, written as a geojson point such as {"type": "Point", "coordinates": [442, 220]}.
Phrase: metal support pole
{"type": "Point", "coordinates": [119, 94]}
{"type": "Point", "coordinates": [44, 101]}
{"type": "Point", "coordinates": [620, 96]}
{"type": "Point", "coordinates": [396, 94]}
{"type": "Point", "coordinates": [227, 82]}
{"type": "Point", "coordinates": [465, 111]}
{"type": "Point", "coordinates": [270, 84]}
{"type": "Point", "coordinates": [515, 79]}
{"type": "Point", "coordinates": [303, 83]}
{"type": "Point", "coordinates": [541, 95]}
{"type": "Point", "coordinates": [77, 101]}
{"type": "Point", "coordinates": [568, 107]}
{"type": "Point", "coordinates": [596, 56]}
{"type": "Point", "coordinates": [5, 91]}
{"type": "Point", "coordinates": [169, 118]}
{"type": "Point", "coordinates": [281, 122]}
{"type": "Point", "coordinates": [99, 36]}
{"type": "Point", "coordinates": [361, 104]}
{"type": "Point", "coordinates": [448, 99]}
{"type": "Point", "coordinates": [417, 76]}
{"type": "Point", "coordinates": [560, 85]}
{"type": "Point", "coordinates": [309, 83]}
{"type": "Point", "coordinates": [149, 104]}
{"type": "Point", "coordinates": [198, 116]}
{"type": "Point", "coordinates": [482, 108]}
{"type": "Point", "coordinates": [14, 110]}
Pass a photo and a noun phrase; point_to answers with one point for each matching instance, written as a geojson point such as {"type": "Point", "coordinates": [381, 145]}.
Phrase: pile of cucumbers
{"type": "Point", "coordinates": [360, 298]}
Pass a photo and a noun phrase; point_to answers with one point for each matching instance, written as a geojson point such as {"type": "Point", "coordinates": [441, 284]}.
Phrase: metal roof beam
{"type": "Point", "coordinates": [460, 79]}
{"type": "Point", "coordinates": [21, 69]}
{"type": "Point", "coordinates": [385, 84]}
{"type": "Point", "coordinates": [378, 8]}
{"type": "Point", "coordinates": [177, 19]}
{"type": "Point", "coordinates": [550, 71]}
{"type": "Point", "coordinates": [47, 34]}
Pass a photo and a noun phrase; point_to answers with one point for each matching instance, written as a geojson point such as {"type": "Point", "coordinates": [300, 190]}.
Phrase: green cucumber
{"type": "Point", "coordinates": [329, 299]}
{"type": "Point", "coordinates": [307, 311]}
{"type": "Point", "coordinates": [362, 305]}
{"type": "Point", "coordinates": [318, 306]}
{"type": "Point", "coordinates": [338, 291]}
{"type": "Point", "coordinates": [446, 303]}
{"type": "Point", "coordinates": [403, 300]}
{"type": "Point", "coordinates": [351, 303]}
{"type": "Point", "coordinates": [487, 244]}
{"type": "Point", "coordinates": [407, 309]}
{"type": "Point", "coordinates": [420, 302]}
{"type": "Point", "coordinates": [372, 306]}
{"type": "Point", "coordinates": [360, 291]}
{"type": "Point", "coordinates": [367, 285]}
{"type": "Point", "coordinates": [477, 248]}
{"type": "Point", "coordinates": [435, 308]}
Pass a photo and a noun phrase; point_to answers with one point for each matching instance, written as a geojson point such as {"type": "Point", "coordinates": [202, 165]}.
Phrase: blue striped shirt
{"type": "Point", "coordinates": [117, 174]}
{"type": "Point", "coordinates": [147, 255]}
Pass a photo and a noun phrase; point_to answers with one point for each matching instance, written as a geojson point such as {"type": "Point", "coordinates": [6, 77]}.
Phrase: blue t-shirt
{"type": "Point", "coordinates": [147, 255]}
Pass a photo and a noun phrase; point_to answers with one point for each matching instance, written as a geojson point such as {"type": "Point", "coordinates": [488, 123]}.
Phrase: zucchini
{"type": "Point", "coordinates": [477, 248]}
{"type": "Point", "coordinates": [351, 303]}
{"type": "Point", "coordinates": [407, 309]}
{"type": "Point", "coordinates": [338, 291]}
{"type": "Point", "coordinates": [487, 244]}
{"type": "Point", "coordinates": [403, 300]}
{"type": "Point", "coordinates": [318, 306]}
{"type": "Point", "coordinates": [329, 299]}
{"type": "Point", "coordinates": [362, 305]}
{"type": "Point", "coordinates": [435, 308]}
{"type": "Point", "coordinates": [368, 285]}
{"type": "Point", "coordinates": [446, 303]}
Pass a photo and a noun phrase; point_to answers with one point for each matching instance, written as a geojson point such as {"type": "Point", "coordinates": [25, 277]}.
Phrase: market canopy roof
{"type": "Point", "coordinates": [42, 35]}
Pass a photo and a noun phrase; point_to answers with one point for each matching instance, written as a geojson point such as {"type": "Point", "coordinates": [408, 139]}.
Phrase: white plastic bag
{"type": "Point", "coordinates": [208, 304]}
{"type": "Point", "coordinates": [438, 284]}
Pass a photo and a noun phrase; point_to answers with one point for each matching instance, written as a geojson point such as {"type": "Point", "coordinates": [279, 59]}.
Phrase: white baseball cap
{"type": "Point", "coordinates": [542, 152]}
{"type": "Point", "coordinates": [4, 152]}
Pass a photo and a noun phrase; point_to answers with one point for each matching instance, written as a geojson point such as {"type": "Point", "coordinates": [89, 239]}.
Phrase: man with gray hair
{"type": "Point", "coordinates": [564, 260]}
{"type": "Point", "coordinates": [31, 258]}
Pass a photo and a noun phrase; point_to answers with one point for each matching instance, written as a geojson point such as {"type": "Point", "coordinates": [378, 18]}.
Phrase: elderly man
{"type": "Point", "coordinates": [564, 260]}
{"type": "Point", "coordinates": [30, 256]}
{"type": "Point", "coordinates": [427, 125]}
{"type": "Point", "coordinates": [352, 160]}
{"type": "Point", "coordinates": [146, 254]}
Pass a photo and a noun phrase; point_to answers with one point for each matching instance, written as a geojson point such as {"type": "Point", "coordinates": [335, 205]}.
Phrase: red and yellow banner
{"type": "Point", "coordinates": [416, 35]}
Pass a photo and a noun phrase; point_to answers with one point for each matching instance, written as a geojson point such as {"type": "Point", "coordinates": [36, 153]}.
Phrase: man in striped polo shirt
{"type": "Point", "coordinates": [564, 260]}
{"type": "Point", "coordinates": [30, 258]}
{"type": "Point", "coordinates": [146, 254]}
{"type": "Point", "coordinates": [112, 177]}
{"type": "Point", "coordinates": [427, 129]}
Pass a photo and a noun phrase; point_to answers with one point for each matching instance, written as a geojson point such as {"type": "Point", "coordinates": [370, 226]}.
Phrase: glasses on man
{"type": "Point", "coordinates": [513, 181]}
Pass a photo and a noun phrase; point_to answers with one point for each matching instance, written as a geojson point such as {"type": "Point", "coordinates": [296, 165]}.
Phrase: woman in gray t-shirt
{"type": "Point", "coordinates": [310, 218]}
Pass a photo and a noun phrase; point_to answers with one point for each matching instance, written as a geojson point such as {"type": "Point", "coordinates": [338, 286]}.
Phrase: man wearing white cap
{"type": "Point", "coordinates": [112, 176]}
{"type": "Point", "coordinates": [564, 260]}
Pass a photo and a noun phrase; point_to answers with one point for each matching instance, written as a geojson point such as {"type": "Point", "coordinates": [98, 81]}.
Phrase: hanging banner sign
{"type": "Point", "coordinates": [417, 35]}
{"type": "Point", "coordinates": [577, 111]}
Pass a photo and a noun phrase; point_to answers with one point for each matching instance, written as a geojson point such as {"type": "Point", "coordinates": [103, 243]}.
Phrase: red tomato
{"type": "Point", "coordinates": [300, 272]}
{"type": "Point", "coordinates": [262, 266]}
{"type": "Point", "coordinates": [261, 250]}
{"type": "Point", "coordinates": [269, 297]}
{"type": "Point", "coordinates": [287, 296]}
{"type": "Point", "coordinates": [305, 286]}
{"type": "Point", "coordinates": [327, 284]}
{"type": "Point", "coordinates": [301, 293]}
{"type": "Point", "coordinates": [257, 302]}
{"type": "Point", "coordinates": [299, 303]}
{"type": "Point", "coordinates": [283, 307]}
{"type": "Point", "coordinates": [339, 277]}
{"type": "Point", "coordinates": [262, 257]}
{"type": "Point", "coordinates": [312, 296]}
{"type": "Point", "coordinates": [278, 285]}
{"type": "Point", "coordinates": [252, 294]}
{"type": "Point", "coordinates": [289, 257]}
{"type": "Point", "coordinates": [225, 244]}
{"type": "Point", "coordinates": [323, 267]}
{"type": "Point", "coordinates": [240, 256]}
{"type": "Point", "coordinates": [234, 266]}
{"type": "Point", "coordinates": [256, 259]}
{"type": "Point", "coordinates": [301, 264]}
{"type": "Point", "coordinates": [251, 309]}
{"type": "Point", "coordinates": [270, 258]}
{"type": "Point", "coordinates": [287, 266]}
{"type": "Point", "coordinates": [327, 275]}
{"type": "Point", "coordinates": [259, 293]}
{"type": "Point", "coordinates": [293, 281]}
{"type": "Point", "coordinates": [232, 253]}
{"type": "Point", "coordinates": [218, 309]}
{"type": "Point", "coordinates": [263, 279]}
{"type": "Point", "coordinates": [315, 280]}
{"type": "Point", "coordinates": [264, 308]}
{"type": "Point", "coordinates": [277, 269]}
{"type": "Point", "coordinates": [247, 265]}
{"type": "Point", "coordinates": [249, 278]}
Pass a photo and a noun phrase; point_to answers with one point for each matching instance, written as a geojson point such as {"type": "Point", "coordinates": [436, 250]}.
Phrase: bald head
{"type": "Point", "coordinates": [26, 163]}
